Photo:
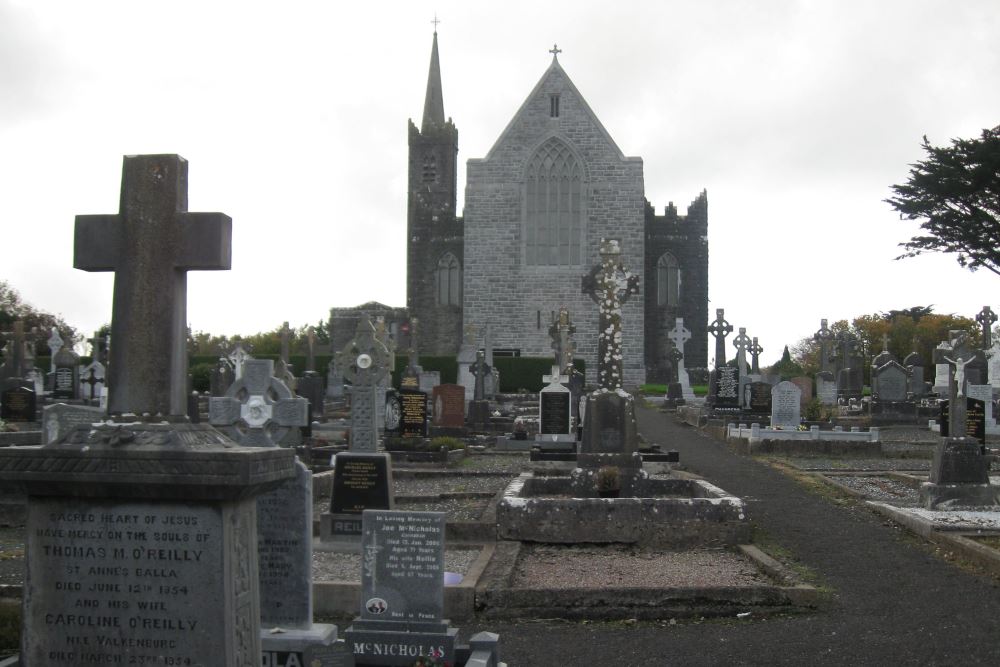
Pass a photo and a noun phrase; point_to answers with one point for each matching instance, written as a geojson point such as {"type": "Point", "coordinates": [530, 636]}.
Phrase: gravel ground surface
{"type": "Point", "coordinates": [329, 566]}
{"type": "Point", "coordinates": [431, 486]}
{"type": "Point", "coordinates": [816, 463]}
{"type": "Point", "coordinates": [617, 566]}
{"type": "Point", "coordinates": [512, 463]}
{"type": "Point", "coordinates": [886, 489]}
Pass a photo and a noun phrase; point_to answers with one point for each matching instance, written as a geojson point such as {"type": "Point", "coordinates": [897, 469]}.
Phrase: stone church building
{"type": "Point", "coordinates": [536, 208]}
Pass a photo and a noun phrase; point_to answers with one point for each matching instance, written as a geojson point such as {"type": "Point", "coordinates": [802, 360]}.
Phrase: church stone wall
{"type": "Point", "coordinates": [519, 300]}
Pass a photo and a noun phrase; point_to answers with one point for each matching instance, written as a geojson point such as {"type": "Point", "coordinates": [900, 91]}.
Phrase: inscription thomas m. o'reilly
{"type": "Point", "coordinates": [121, 583]}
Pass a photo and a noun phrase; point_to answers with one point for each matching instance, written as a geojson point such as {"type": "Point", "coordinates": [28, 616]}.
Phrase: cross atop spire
{"type": "Point", "coordinates": [555, 51]}
{"type": "Point", "coordinates": [435, 22]}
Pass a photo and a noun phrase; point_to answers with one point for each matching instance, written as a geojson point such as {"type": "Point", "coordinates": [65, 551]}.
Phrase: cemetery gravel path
{"type": "Point", "coordinates": [892, 602]}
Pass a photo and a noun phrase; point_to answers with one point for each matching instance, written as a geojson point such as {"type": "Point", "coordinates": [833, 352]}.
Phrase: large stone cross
{"type": "Point", "coordinates": [987, 318]}
{"type": "Point", "coordinates": [556, 377]}
{"type": "Point", "coordinates": [55, 343]}
{"type": "Point", "coordinates": [741, 343]}
{"type": "Point", "coordinates": [151, 244]}
{"type": "Point", "coordinates": [720, 328]}
{"type": "Point", "coordinates": [284, 335]}
{"type": "Point", "coordinates": [823, 337]}
{"type": "Point", "coordinates": [99, 347]}
{"type": "Point", "coordinates": [610, 285]}
{"type": "Point", "coordinates": [15, 361]}
{"type": "Point", "coordinates": [311, 350]}
{"type": "Point", "coordinates": [755, 350]}
{"type": "Point", "coordinates": [238, 358]}
{"type": "Point", "coordinates": [258, 409]}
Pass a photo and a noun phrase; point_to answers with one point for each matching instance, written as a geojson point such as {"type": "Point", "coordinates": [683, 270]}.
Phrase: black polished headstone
{"type": "Point", "coordinates": [975, 420]}
{"type": "Point", "coordinates": [18, 404]}
{"type": "Point", "coordinates": [413, 413]}
{"type": "Point", "coordinates": [555, 412]}
{"type": "Point", "coordinates": [727, 383]}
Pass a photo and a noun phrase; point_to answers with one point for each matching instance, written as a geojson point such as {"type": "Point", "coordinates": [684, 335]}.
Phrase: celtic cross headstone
{"type": "Point", "coordinates": [561, 332]}
{"type": "Point", "coordinates": [610, 285]}
{"type": "Point", "coordinates": [720, 328]}
{"type": "Point", "coordinates": [824, 336]}
{"type": "Point", "coordinates": [680, 335]}
{"type": "Point", "coordinates": [755, 352]}
{"type": "Point", "coordinates": [258, 410]}
{"type": "Point", "coordinates": [741, 343]}
{"type": "Point", "coordinates": [986, 319]}
{"type": "Point", "coordinates": [365, 361]}
{"type": "Point", "coordinates": [55, 343]}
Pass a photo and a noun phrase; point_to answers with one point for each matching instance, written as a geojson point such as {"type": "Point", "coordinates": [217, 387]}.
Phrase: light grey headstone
{"type": "Point", "coordinates": [132, 573]}
{"type": "Point", "coordinates": [785, 406]}
{"type": "Point", "coordinates": [364, 418]}
{"type": "Point", "coordinates": [284, 552]}
{"type": "Point", "coordinates": [402, 575]}
{"type": "Point", "coordinates": [60, 419]}
{"type": "Point", "coordinates": [993, 365]}
{"type": "Point", "coordinates": [428, 380]}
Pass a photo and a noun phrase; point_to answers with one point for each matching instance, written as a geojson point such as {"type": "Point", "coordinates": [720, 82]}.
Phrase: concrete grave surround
{"type": "Point", "coordinates": [785, 406]}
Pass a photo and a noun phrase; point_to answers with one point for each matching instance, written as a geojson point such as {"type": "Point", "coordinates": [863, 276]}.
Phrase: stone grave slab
{"type": "Point", "coordinates": [785, 406]}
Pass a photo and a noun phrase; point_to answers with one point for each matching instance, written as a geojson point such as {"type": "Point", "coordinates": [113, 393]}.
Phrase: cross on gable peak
{"type": "Point", "coordinates": [555, 51]}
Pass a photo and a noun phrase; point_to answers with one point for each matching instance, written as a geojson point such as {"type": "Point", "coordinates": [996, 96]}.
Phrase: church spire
{"type": "Point", "coordinates": [433, 102]}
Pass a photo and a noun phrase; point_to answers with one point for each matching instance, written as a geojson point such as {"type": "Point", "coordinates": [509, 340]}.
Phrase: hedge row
{"type": "Point", "coordinates": [516, 373]}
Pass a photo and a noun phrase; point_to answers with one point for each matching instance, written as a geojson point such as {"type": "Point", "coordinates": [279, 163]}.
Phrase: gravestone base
{"type": "Point", "coordinates": [127, 514]}
{"type": "Point", "coordinates": [479, 415]}
{"type": "Point", "coordinates": [309, 647]}
{"type": "Point", "coordinates": [945, 496]}
{"type": "Point", "coordinates": [959, 461]}
{"type": "Point", "coordinates": [398, 643]}
{"type": "Point", "coordinates": [555, 442]}
{"type": "Point", "coordinates": [339, 532]}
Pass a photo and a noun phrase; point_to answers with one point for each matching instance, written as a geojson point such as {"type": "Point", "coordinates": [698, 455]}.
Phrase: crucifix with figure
{"type": "Point", "coordinates": [151, 244]}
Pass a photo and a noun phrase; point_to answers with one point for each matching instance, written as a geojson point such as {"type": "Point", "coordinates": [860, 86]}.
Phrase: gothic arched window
{"type": "Point", "coordinates": [554, 206]}
{"type": "Point", "coordinates": [668, 280]}
{"type": "Point", "coordinates": [448, 281]}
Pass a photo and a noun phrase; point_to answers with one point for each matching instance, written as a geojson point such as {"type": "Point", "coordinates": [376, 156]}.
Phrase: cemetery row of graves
{"type": "Point", "coordinates": [170, 527]}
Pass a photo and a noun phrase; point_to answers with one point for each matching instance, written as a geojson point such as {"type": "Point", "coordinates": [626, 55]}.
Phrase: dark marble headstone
{"type": "Point", "coordinates": [361, 481]}
{"type": "Point", "coordinates": [449, 405]}
{"type": "Point", "coordinates": [17, 403]}
{"type": "Point", "coordinates": [758, 397]}
{"type": "Point", "coordinates": [310, 387]}
{"type": "Point", "coordinates": [975, 420]}
{"type": "Point", "coordinates": [413, 413]}
{"type": "Point", "coordinates": [891, 382]}
{"type": "Point", "coordinates": [555, 412]}
{"type": "Point", "coordinates": [65, 374]}
{"type": "Point", "coordinates": [727, 383]}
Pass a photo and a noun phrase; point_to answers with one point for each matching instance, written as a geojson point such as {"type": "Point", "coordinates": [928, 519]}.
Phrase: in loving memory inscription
{"type": "Point", "coordinates": [123, 579]}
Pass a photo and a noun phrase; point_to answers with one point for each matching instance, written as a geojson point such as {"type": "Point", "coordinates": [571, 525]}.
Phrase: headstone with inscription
{"type": "Point", "coordinates": [361, 481]}
{"type": "Point", "coordinates": [727, 387]}
{"type": "Point", "coordinates": [141, 534]}
{"type": "Point", "coordinates": [914, 365]}
{"type": "Point", "coordinates": [555, 411]}
{"type": "Point", "coordinates": [60, 419]}
{"type": "Point", "coordinates": [402, 591]}
{"type": "Point", "coordinates": [785, 406]}
{"type": "Point", "coordinates": [65, 374]}
{"type": "Point", "coordinates": [983, 393]}
{"type": "Point", "coordinates": [412, 413]}
{"type": "Point", "coordinates": [284, 556]}
{"type": "Point", "coordinates": [719, 329]}
{"type": "Point", "coordinates": [18, 401]}
{"type": "Point", "coordinates": [365, 360]}
{"type": "Point", "coordinates": [757, 398]}
{"type": "Point", "coordinates": [826, 388]}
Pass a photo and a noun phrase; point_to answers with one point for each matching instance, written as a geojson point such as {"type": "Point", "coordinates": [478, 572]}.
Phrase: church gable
{"type": "Point", "coordinates": [536, 208]}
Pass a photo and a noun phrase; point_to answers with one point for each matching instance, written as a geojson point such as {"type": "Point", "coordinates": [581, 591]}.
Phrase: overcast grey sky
{"type": "Point", "coordinates": [795, 116]}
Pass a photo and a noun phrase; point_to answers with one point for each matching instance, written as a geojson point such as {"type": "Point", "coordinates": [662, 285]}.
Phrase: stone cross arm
{"type": "Point", "coordinates": [203, 242]}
